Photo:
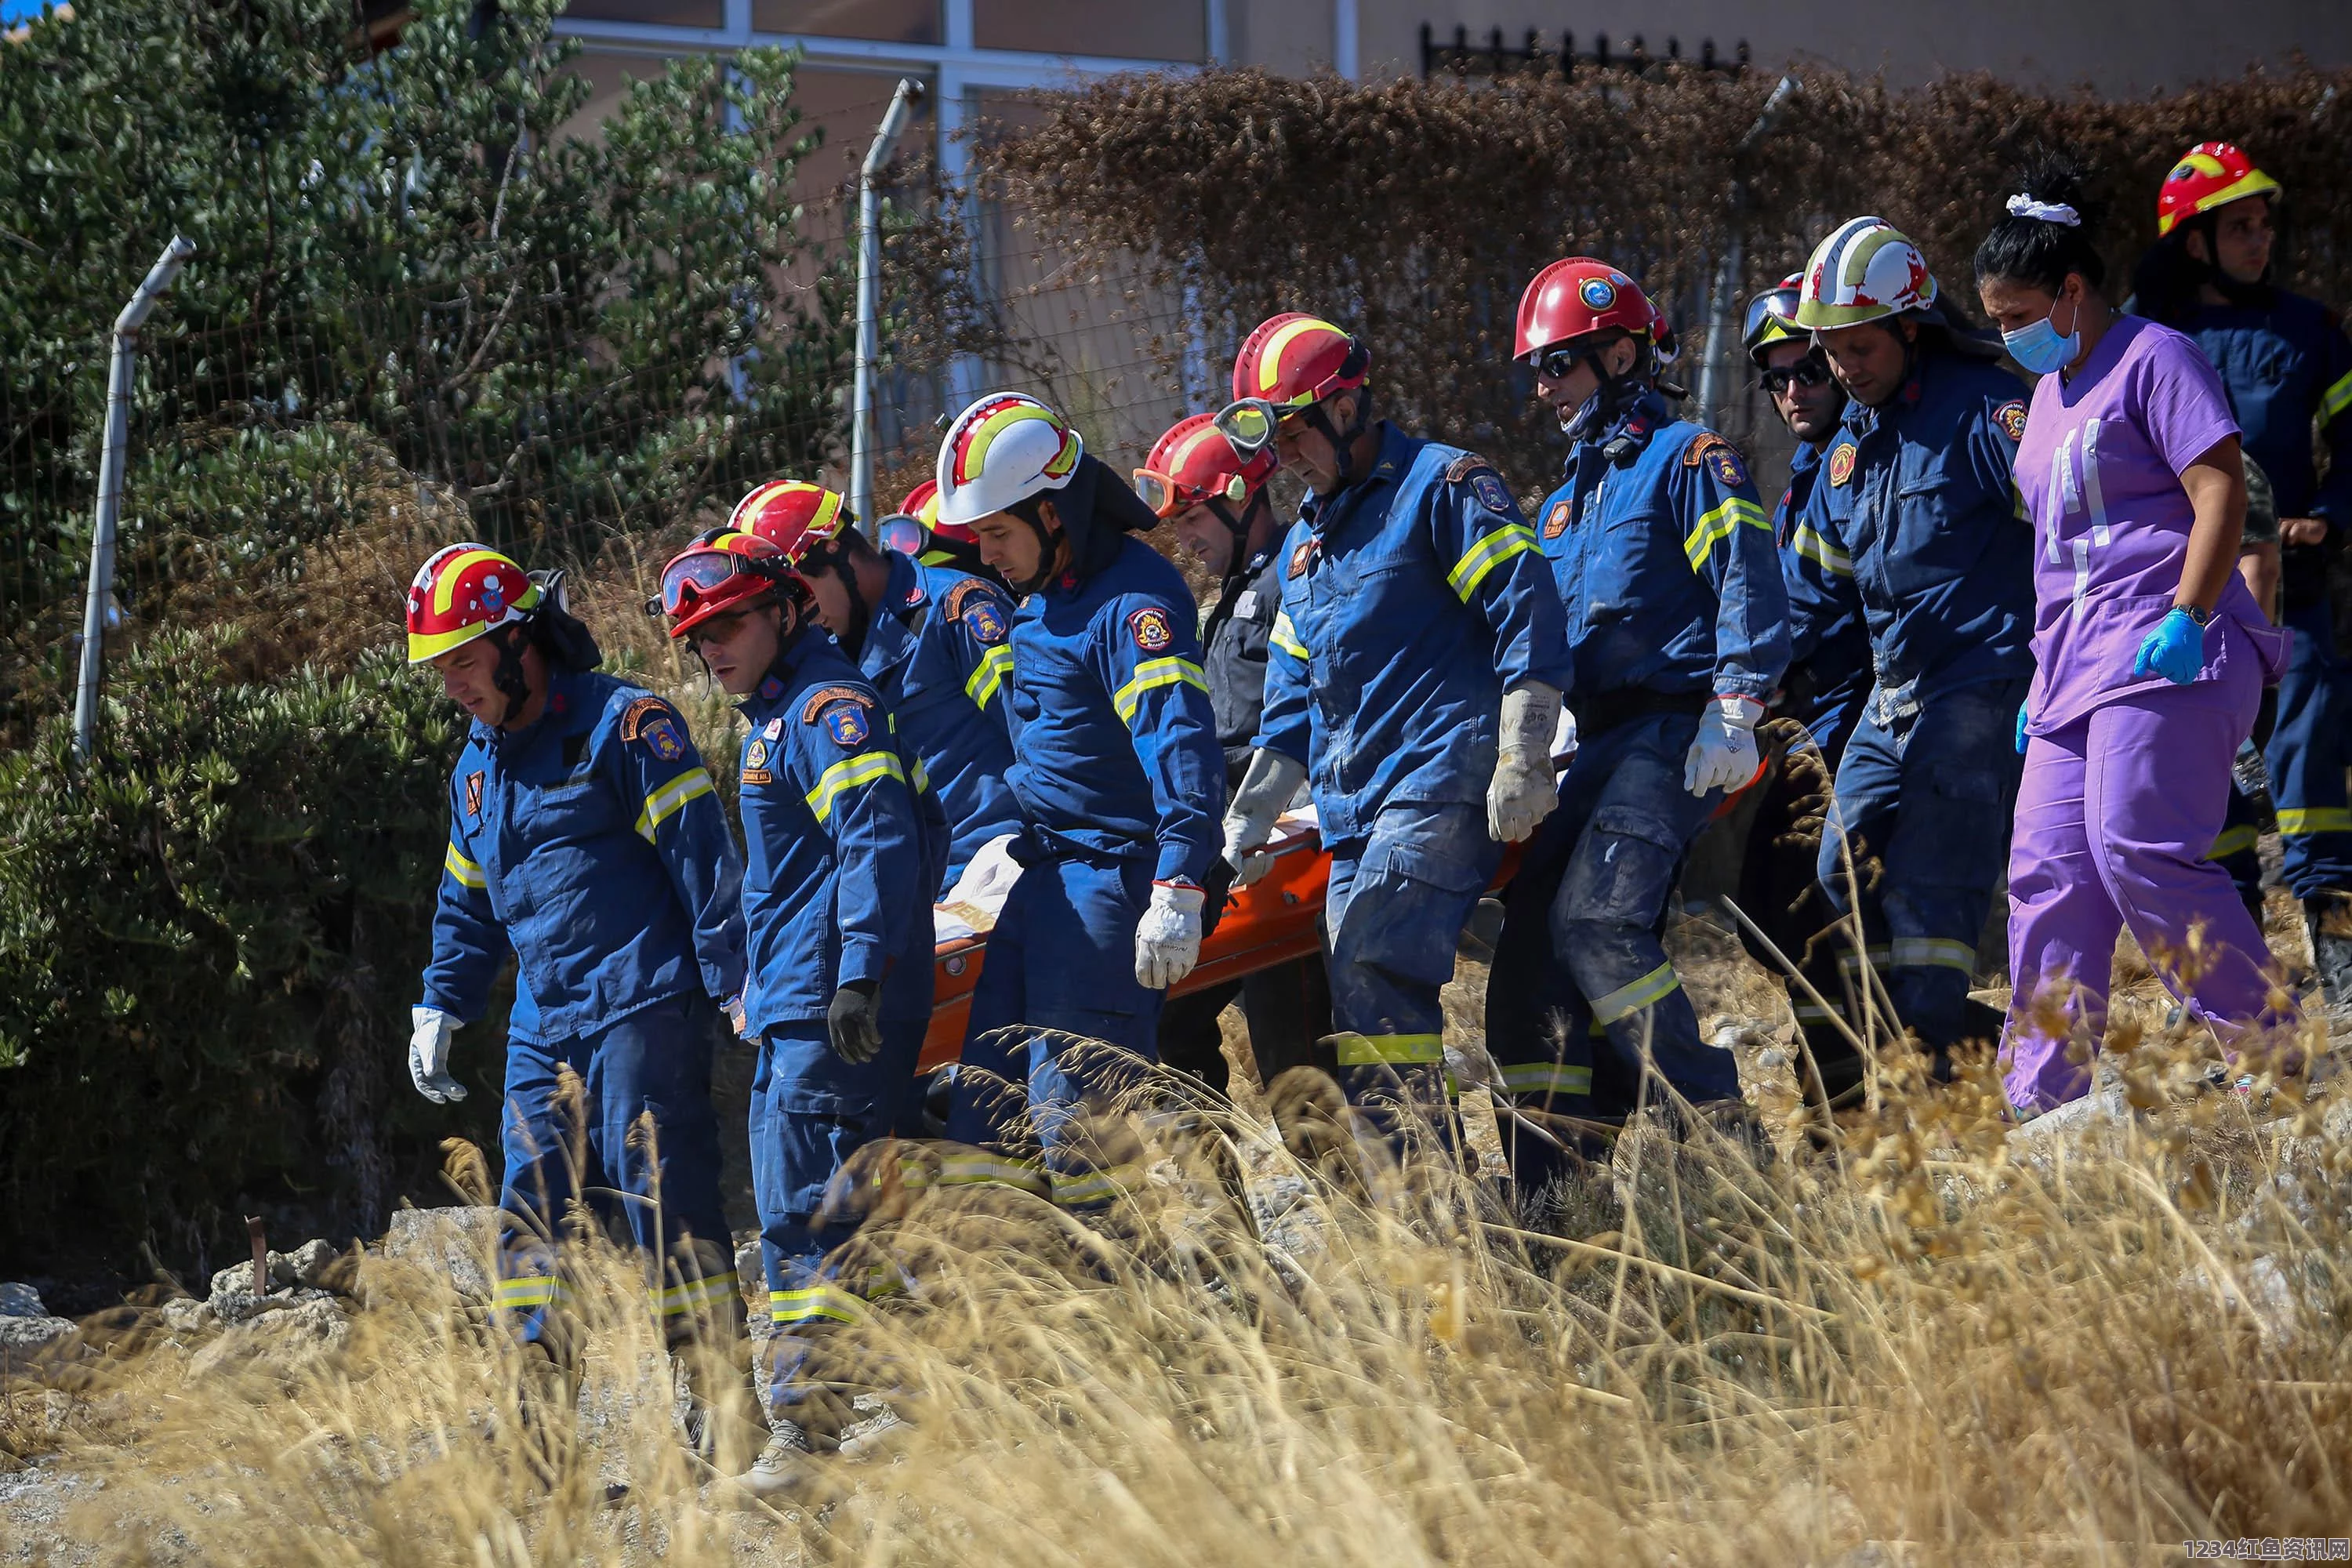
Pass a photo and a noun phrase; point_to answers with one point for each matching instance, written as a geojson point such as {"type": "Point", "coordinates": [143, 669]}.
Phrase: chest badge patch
{"type": "Point", "coordinates": [473, 795]}
{"type": "Point", "coordinates": [662, 736]}
{"type": "Point", "coordinates": [756, 756]}
{"type": "Point", "coordinates": [1842, 465]}
{"type": "Point", "coordinates": [847, 724]}
{"type": "Point", "coordinates": [2011, 416]}
{"type": "Point", "coordinates": [1302, 557]}
{"type": "Point", "coordinates": [774, 729]}
{"type": "Point", "coordinates": [1555, 520]}
{"type": "Point", "coordinates": [1151, 629]}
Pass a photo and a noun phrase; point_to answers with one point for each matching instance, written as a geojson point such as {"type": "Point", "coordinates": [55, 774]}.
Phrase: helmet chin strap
{"type": "Point", "coordinates": [508, 674]}
{"type": "Point", "coordinates": [835, 562]}
{"type": "Point", "coordinates": [1343, 442]}
{"type": "Point", "coordinates": [1030, 512]}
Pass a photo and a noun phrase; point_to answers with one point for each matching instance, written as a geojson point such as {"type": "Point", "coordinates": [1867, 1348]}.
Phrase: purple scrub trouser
{"type": "Point", "coordinates": [2114, 819]}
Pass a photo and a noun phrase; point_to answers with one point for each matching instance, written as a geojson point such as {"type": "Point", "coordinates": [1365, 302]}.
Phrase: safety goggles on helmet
{"type": "Point", "coordinates": [1777, 305]}
{"type": "Point", "coordinates": [690, 579]}
{"type": "Point", "coordinates": [905, 534]}
{"type": "Point", "coordinates": [1811, 371]}
{"type": "Point", "coordinates": [1165, 495]}
{"type": "Point", "coordinates": [1252, 425]}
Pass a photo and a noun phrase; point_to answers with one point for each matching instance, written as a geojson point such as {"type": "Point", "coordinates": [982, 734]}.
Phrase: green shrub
{"type": "Point", "coordinates": [208, 944]}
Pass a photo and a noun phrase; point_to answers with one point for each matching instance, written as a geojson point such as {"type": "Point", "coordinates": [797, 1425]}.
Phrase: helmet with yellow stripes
{"type": "Point", "coordinates": [793, 515]}
{"type": "Point", "coordinates": [463, 592]}
{"type": "Point", "coordinates": [2209, 177]}
{"type": "Point", "coordinates": [1000, 451]}
{"type": "Point", "coordinates": [1867, 271]}
{"type": "Point", "coordinates": [1295, 359]}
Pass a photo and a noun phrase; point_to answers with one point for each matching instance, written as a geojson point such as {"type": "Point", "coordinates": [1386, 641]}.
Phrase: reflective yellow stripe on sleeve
{"type": "Point", "coordinates": [2336, 400]}
{"type": "Point", "coordinates": [1812, 544]}
{"type": "Point", "coordinates": [1484, 556]}
{"type": "Point", "coordinates": [1718, 525]}
{"type": "Point", "coordinates": [468, 875]}
{"type": "Point", "coordinates": [667, 801]}
{"type": "Point", "coordinates": [1394, 1050]}
{"type": "Point", "coordinates": [2294, 822]}
{"type": "Point", "coordinates": [1286, 637]}
{"type": "Point", "coordinates": [988, 676]}
{"type": "Point", "coordinates": [1153, 673]}
{"type": "Point", "coordinates": [848, 774]}
{"type": "Point", "coordinates": [2233, 840]}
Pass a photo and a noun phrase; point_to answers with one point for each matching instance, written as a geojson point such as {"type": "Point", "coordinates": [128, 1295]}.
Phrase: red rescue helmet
{"type": "Point", "coordinates": [1578, 297]}
{"type": "Point", "coordinates": [1296, 359]}
{"type": "Point", "coordinates": [1194, 463]}
{"type": "Point", "coordinates": [722, 572]}
{"type": "Point", "coordinates": [2209, 176]}
{"type": "Point", "coordinates": [793, 515]}
{"type": "Point", "coordinates": [463, 592]}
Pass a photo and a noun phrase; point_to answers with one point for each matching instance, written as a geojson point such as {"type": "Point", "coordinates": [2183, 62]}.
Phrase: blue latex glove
{"type": "Point", "coordinates": [2175, 650]}
{"type": "Point", "coordinates": [2020, 729]}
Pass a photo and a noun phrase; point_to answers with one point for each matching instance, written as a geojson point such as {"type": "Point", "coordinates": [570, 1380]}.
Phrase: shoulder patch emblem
{"type": "Point", "coordinates": [473, 795]}
{"type": "Point", "coordinates": [1556, 519]}
{"type": "Point", "coordinates": [1842, 464]}
{"type": "Point", "coordinates": [959, 598]}
{"type": "Point", "coordinates": [1462, 467]}
{"type": "Point", "coordinates": [1302, 557]}
{"type": "Point", "coordinates": [640, 713]}
{"type": "Point", "coordinates": [1489, 488]}
{"type": "Point", "coordinates": [824, 696]}
{"type": "Point", "coordinates": [1151, 630]}
{"type": "Point", "coordinates": [845, 722]}
{"type": "Point", "coordinates": [660, 733]}
{"type": "Point", "coordinates": [1703, 443]}
{"type": "Point", "coordinates": [1725, 464]}
{"type": "Point", "coordinates": [986, 622]}
{"type": "Point", "coordinates": [2011, 416]}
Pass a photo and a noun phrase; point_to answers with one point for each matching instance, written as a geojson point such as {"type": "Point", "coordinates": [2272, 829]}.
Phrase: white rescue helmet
{"type": "Point", "coordinates": [1004, 448]}
{"type": "Point", "coordinates": [1868, 270]}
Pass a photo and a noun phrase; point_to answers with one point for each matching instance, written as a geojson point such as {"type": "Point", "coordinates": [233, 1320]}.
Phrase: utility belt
{"type": "Point", "coordinates": [1038, 845]}
{"type": "Point", "coordinates": [1599, 715]}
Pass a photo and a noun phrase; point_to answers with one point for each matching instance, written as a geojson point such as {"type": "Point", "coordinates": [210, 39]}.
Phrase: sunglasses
{"type": "Point", "coordinates": [1556, 364]}
{"type": "Point", "coordinates": [1254, 424]}
{"type": "Point", "coordinates": [1811, 371]}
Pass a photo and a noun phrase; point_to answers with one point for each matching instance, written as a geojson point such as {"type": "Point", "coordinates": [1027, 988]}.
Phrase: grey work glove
{"type": "Point", "coordinates": [1525, 789]}
{"type": "Point", "coordinates": [1168, 937]}
{"type": "Point", "coordinates": [854, 1022]}
{"type": "Point", "coordinates": [1267, 788]}
{"type": "Point", "coordinates": [429, 1056]}
{"type": "Point", "coordinates": [1723, 754]}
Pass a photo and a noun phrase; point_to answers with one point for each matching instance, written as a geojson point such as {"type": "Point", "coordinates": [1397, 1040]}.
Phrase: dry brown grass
{"type": "Point", "coordinates": [1945, 1344]}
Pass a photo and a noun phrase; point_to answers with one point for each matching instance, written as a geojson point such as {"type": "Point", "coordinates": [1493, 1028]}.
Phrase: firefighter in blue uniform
{"type": "Point", "coordinates": [935, 642]}
{"type": "Point", "coordinates": [1218, 504]}
{"type": "Point", "coordinates": [1415, 673]}
{"type": "Point", "coordinates": [1918, 491]}
{"type": "Point", "coordinates": [585, 835]}
{"type": "Point", "coordinates": [1821, 696]}
{"type": "Point", "coordinates": [1677, 626]}
{"type": "Point", "coordinates": [1120, 779]}
{"type": "Point", "coordinates": [2287, 365]}
{"type": "Point", "coordinates": [843, 843]}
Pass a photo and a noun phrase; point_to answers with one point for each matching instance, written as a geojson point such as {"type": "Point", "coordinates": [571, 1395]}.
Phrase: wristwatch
{"type": "Point", "coordinates": [2202, 617]}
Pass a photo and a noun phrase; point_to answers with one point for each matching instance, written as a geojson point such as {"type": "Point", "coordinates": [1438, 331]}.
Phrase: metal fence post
{"type": "Point", "coordinates": [869, 290]}
{"type": "Point", "coordinates": [1723, 304]}
{"type": "Point", "coordinates": [121, 366]}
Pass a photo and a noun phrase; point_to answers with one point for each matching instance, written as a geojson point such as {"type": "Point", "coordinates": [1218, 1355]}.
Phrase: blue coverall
{"type": "Point", "coordinates": [1411, 601]}
{"type": "Point", "coordinates": [843, 843]}
{"type": "Point", "coordinates": [593, 842]}
{"type": "Point", "coordinates": [1665, 565]}
{"type": "Point", "coordinates": [938, 651]}
{"type": "Point", "coordinates": [2285, 366]}
{"type": "Point", "coordinates": [1920, 494]}
{"type": "Point", "coordinates": [1121, 783]}
{"type": "Point", "coordinates": [1828, 681]}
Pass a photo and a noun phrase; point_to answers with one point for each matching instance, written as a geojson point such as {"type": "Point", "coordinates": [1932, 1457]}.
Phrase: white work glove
{"type": "Point", "coordinates": [1168, 937]}
{"type": "Point", "coordinates": [1723, 756]}
{"type": "Point", "coordinates": [1267, 788]}
{"type": "Point", "coordinates": [1563, 741]}
{"type": "Point", "coordinates": [1525, 788]}
{"type": "Point", "coordinates": [429, 1056]}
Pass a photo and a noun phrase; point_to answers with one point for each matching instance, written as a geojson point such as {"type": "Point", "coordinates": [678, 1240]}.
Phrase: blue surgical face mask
{"type": "Point", "coordinates": [2039, 348]}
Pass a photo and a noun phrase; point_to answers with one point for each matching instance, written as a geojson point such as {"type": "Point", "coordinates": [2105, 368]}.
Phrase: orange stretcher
{"type": "Point", "coordinates": [1273, 920]}
{"type": "Point", "coordinates": [1270, 921]}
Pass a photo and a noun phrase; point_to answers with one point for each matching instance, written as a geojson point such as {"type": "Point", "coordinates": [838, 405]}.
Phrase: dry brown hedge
{"type": "Point", "coordinates": [1417, 210]}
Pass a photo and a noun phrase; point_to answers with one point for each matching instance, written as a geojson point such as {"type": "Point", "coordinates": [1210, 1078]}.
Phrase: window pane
{"type": "Point", "coordinates": [669, 13]}
{"type": "Point", "coordinates": [1175, 31]}
{"type": "Point", "coordinates": [886, 21]}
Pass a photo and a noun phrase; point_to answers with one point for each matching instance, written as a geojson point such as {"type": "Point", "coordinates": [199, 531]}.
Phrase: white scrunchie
{"type": "Point", "coordinates": [2048, 212]}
